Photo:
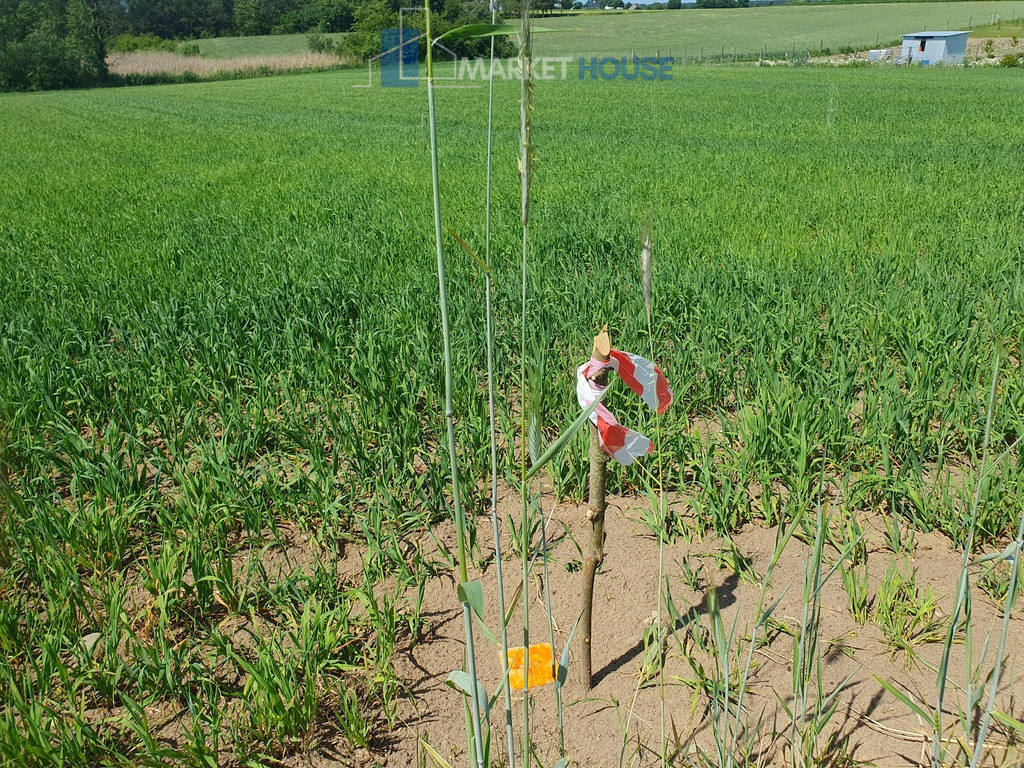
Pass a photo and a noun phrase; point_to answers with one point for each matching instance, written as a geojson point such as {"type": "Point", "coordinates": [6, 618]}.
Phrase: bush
{"type": "Point", "coordinates": [1011, 60]}
{"type": "Point", "coordinates": [320, 43]}
{"type": "Point", "coordinates": [189, 49]}
{"type": "Point", "coordinates": [131, 43]}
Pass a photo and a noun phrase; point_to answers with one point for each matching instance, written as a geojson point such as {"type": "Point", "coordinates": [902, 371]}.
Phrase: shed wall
{"type": "Point", "coordinates": [937, 50]}
{"type": "Point", "coordinates": [956, 49]}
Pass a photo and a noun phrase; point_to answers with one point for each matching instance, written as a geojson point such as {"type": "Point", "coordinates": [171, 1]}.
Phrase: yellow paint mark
{"type": "Point", "coordinates": [542, 666]}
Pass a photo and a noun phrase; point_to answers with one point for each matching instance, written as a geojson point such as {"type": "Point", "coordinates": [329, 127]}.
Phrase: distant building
{"type": "Point", "coordinates": [934, 48]}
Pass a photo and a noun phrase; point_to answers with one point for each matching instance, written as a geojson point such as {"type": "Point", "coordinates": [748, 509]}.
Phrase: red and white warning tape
{"type": "Point", "coordinates": [640, 375]}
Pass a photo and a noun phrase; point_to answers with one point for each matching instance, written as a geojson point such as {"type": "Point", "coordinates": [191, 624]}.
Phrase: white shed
{"type": "Point", "coordinates": [934, 48]}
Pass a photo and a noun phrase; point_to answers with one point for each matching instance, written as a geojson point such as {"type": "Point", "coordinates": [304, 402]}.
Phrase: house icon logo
{"type": "Point", "coordinates": [398, 59]}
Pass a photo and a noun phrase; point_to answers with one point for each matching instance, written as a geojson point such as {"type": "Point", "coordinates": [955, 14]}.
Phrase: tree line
{"type": "Point", "coordinates": [47, 44]}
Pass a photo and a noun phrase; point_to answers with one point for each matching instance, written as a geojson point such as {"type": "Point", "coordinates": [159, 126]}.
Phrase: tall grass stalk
{"type": "Point", "coordinates": [488, 288]}
{"type": "Point", "coordinates": [525, 162]}
{"type": "Point", "coordinates": [551, 628]}
{"type": "Point", "coordinates": [5, 493]}
{"type": "Point", "coordinates": [806, 658]}
{"type": "Point", "coordinates": [647, 278]}
{"type": "Point", "coordinates": [963, 588]}
{"type": "Point", "coordinates": [460, 515]}
{"type": "Point", "coordinates": [810, 715]}
{"type": "Point", "coordinates": [646, 275]}
{"type": "Point", "coordinates": [1011, 600]}
{"type": "Point", "coordinates": [763, 615]}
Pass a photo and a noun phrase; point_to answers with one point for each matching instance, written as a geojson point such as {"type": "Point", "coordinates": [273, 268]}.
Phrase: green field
{"type": "Point", "coordinates": [218, 336]}
{"type": "Point", "coordinates": [748, 30]}
{"type": "Point", "coordinates": [1004, 28]}
{"type": "Point", "coordinates": [262, 45]}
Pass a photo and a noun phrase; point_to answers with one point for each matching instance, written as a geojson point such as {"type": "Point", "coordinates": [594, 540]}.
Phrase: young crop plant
{"type": "Point", "coordinates": [976, 712]}
{"type": "Point", "coordinates": [857, 585]}
{"type": "Point", "coordinates": [854, 570]}
{"type": "Point", "coordinates": [996, 579]}
{"type": "Point", "coordinates": [907, 615]}
{"type": "Point", "coordinates": [813, 704]}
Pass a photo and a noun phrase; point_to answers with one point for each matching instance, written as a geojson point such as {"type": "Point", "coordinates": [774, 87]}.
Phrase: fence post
{"type": "Point", "coordinates": [595, 515]}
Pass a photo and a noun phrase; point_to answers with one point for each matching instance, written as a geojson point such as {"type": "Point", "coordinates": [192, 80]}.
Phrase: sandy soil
{"type": "Point", "coordinates": [618, 723]}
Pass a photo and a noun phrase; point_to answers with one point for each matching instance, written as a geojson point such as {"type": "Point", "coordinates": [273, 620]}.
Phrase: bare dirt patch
{"type": "Point", "coordinates": [617, 723]}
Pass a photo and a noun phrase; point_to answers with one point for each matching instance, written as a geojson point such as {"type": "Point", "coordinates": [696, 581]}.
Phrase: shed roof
{"type": "Point", "coordinates": [919, 35]}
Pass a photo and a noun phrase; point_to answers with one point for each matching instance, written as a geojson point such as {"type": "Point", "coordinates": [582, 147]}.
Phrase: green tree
{"type": "Point", "coordinates": [252, 17]}
{"type": "Point", "coordinates": [179, 19]}
{"type": "Point", "coordinates": [90, 24]}
{"type": "Point", "coordinates": [264, 17]}
{"type": "Point", "coordinates": [370, 18]}
{"type": "Point", "coordinates": [317, 15]}
{"type": "Point", "coordinates": [58, 44]}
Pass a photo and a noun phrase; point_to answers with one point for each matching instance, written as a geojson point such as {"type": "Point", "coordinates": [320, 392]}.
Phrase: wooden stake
{"type": "Point", "coordinates": [595, 516]}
